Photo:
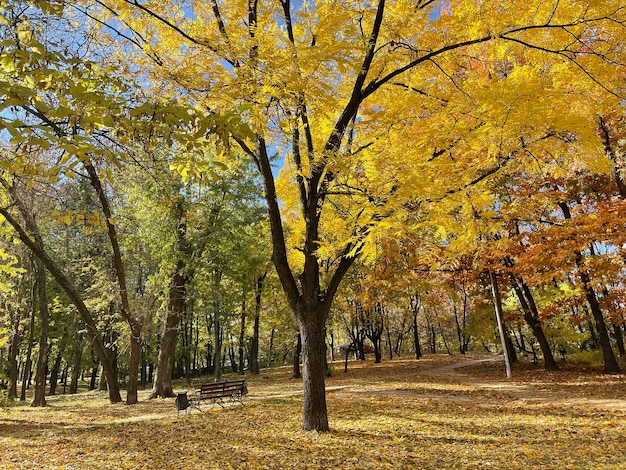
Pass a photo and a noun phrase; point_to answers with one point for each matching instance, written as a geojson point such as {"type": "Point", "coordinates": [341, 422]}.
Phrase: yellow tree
{"type": "Point", "coordinates": [361, 100]}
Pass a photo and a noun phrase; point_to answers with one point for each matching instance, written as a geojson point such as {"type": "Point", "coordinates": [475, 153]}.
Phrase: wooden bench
{"type": "Point", "coordinates": [216, 392]}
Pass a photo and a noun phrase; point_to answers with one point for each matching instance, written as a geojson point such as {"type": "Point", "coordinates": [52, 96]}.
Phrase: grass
{"type": "Point", "coordinates": [398, 414]}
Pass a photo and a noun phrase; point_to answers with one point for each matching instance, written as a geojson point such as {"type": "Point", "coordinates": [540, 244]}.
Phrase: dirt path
{"type": "Point", "coordinates": [518, 392]}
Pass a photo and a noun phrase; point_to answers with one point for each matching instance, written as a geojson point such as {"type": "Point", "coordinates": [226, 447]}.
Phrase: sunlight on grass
{"type": "Point", "coordinates": [379, 419]}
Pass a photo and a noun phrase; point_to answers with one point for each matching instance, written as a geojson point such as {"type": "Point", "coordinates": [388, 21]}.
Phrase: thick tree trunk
{"type": "Point", "coordinates": [162, 386]}
{"type": "Point", "coordinates": [314, 375]}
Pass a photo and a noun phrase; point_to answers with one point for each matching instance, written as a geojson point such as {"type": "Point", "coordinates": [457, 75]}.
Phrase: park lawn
{"type": "Point", "coordinates": [398, 414]}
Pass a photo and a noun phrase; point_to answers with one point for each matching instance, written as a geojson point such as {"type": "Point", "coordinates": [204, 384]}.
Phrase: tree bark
{"type": "Point", "coordinates": [12, 359]}
{"type": "Point", "coordinates": [501, 328]}
{"type": "Point", "coordinates": [77, 355]}
{"type": "Point", "coordinates": [296, 358]}
{"type": "Point", "coordinates": [111, 354]}
{"type": "Point", "coordinates": [162, 386]}
{"type": "Point", "coordinates": [314, 375]}
{"type": "Point", "coordinates": [610, 362]}
{"type": "Point", "coordinates": [415, 306]}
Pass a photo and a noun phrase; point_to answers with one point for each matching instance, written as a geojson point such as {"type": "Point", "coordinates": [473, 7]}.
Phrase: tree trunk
{"type": "Point", "coordinates": [134, 323]}
{"type": "Point", "coordinates": [162, 386]}
{"type": "Point", "coordinates": [506, 349]}
{"type": "Point", "coordinates": [296, 358]}
{"type": "Point", "coordinates": [143, 372]}
{"type": "Point", "coordinates": [458, 328]}
{"type": "Point", "coordinates": [31, 339]}
{"type": "Point", "coordinates": [443, 338]}
{"type": "Point", "coordinates": [42, 358]}
{"type": "Point", "coordinates": [77, 354]}
{"type": "Point", "coordinates": [314, 375]}
{"type": "Point", "coordinates": [531, 316]}
{"type": "Point", "coordinates": [12, 359]}
{"type": "Point", "coordinates": [111, 360]}
{"type": "Point", "coordinates": [186, 334]}
{"type": "Point", "coordinates": [270, 351]}
{"type": "Point", "coordinates": [242, 338]}
{"type": "Point", "coordinates": [415, 306]}
{"type": "Point", "coordinates": [619, 339]}
{"type": "Point", "coordinates": [56, 368]}
{"type": "Point", "coordinates": [610, 362]}
{"type": "Point", "coordinates": [217, 360]}
{"type": "Point", "coordinates": [133, 364]}
{"type": "Point", "coordinates": [232, 357]}
{"type": "Point", "coordinates": [254, 347]}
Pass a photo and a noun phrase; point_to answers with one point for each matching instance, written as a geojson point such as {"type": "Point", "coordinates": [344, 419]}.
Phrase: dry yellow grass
{"type": "Point", "coordinates": [399, 414]}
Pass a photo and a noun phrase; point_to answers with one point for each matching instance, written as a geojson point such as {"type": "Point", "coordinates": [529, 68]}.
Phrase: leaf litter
{"type": "Point", "coordinates": [428, 414]}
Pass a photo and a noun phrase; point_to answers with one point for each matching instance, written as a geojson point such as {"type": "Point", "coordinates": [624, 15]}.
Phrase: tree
{"type": "Point", "coordinates": [323, 81]}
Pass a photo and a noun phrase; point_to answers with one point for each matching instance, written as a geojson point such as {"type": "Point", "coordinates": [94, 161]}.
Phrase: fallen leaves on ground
{"type": "Point", "coordinates": [398, 414]}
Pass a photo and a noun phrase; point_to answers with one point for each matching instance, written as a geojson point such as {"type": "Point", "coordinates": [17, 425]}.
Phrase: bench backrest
{"type": "Point", "coordinates": [222, 388]}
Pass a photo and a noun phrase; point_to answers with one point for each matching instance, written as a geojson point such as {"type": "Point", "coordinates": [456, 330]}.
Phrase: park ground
{"type": "Point", "coordinates": [441, 412]}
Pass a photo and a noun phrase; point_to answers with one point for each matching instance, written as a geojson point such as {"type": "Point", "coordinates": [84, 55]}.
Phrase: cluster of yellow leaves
{"type": "Point", "coordinates": [437, 138]}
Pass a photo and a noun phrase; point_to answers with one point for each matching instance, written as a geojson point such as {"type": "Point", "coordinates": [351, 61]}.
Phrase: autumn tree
{"type": "Point", "coordinates": [322, 84]}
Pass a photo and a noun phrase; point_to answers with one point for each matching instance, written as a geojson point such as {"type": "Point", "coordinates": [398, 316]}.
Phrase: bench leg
{"type": "Point", "coordinates": [195, 403]}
